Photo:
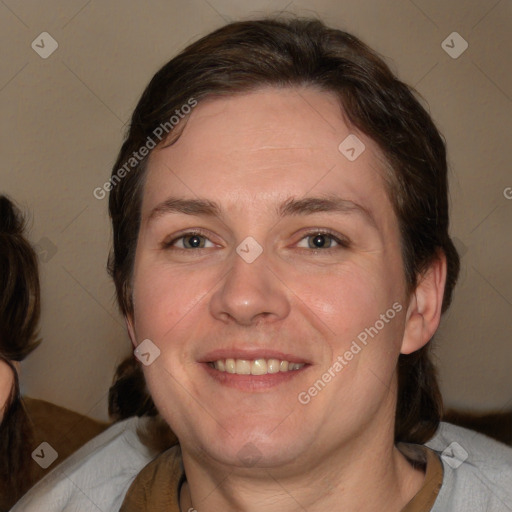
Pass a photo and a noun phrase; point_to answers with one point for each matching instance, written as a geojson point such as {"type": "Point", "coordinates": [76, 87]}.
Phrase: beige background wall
{"type": "Point", "coordinates": [62, 123]}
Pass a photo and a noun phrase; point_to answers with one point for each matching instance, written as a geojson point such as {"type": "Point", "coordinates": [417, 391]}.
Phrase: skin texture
{"type": "Point", "coordinates": [250, 153]}
{"type": "Point", "coordinates": [6, 383]}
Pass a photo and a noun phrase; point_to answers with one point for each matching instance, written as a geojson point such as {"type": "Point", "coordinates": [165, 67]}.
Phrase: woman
{"type": "Point", "coordinates": [19, 316]}
{"type": "Point", "coordinates": [282, 259]}
{"type": "Point", "coordinates": [26, 423]}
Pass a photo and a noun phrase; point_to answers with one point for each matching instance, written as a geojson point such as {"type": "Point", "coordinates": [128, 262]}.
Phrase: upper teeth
{"type": "Point", "coordinates": [256, 367]}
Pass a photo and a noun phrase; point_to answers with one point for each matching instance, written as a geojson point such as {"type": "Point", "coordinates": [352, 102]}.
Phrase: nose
{"type": "Point", "coordinates": [250, 293]}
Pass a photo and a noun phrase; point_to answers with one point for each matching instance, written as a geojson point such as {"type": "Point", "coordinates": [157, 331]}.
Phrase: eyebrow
{"type": "Point", "coordinates": [290, 207]}
{"type": "Point", "coordinates": [327, 203]}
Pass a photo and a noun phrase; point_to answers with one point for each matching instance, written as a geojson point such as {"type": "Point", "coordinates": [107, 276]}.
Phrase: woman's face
{"type": "Point", "coordinates": [264, 242]}
{"type": "Point", "coordinates": [6, 383]}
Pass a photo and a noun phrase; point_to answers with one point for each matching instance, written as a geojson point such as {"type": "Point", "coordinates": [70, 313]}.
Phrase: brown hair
{"type": "Point", "coordinates": [279, 52]}
{"type": "Point", "coordinates": [128, 395]}
{"type": "Point", "coordinates": [19, 317]}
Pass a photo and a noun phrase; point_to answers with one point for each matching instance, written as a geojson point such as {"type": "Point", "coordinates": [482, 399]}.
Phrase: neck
{"type": "Point", "coordinates": [367, 474]}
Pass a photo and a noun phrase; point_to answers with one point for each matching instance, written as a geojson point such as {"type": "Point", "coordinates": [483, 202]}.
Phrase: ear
{"type": "Point", "coordinates": [424, 311]}
{"type": "Point", "coordinates": [131, 329]}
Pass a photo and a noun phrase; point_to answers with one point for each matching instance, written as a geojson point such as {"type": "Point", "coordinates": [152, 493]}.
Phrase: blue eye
{"type": "Point", "coordinates": [190, 241]}
{"type": "Point", "coordinates": [315, 240]}
{"type": "Point", "coordinates": [322, 240]}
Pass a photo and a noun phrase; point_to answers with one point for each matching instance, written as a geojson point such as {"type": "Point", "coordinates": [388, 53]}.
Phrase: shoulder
{"type": "Point", "coordinates": [156, 487]}
{"type": "Point", "coordinates": [477, 471]}
{"type": "Point", "coordinates": [96, 476]}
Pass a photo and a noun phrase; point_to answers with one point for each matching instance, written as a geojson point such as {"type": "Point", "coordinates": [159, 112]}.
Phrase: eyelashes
{"type": "Point", "coordinates": [191, 240]}
{"type": "Point", "coordinates": [319, 238]}
{"type": "Point", "coordinates": [193, 235]}
{"type": "Point", "coordinates": [315, 240]}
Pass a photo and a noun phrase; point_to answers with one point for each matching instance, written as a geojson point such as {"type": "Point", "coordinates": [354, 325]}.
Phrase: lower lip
{"type": "Point", "coordinates": [252, 382]}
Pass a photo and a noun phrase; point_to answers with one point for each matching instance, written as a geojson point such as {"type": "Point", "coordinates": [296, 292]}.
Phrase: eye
{"type": "Point", "coordinates": [190, 241]}
{"type": "Point", "coordinates": [322, 240]}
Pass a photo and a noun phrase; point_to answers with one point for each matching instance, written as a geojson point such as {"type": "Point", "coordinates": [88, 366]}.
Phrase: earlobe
{"type": "Point", "coordinates": [425, 305]}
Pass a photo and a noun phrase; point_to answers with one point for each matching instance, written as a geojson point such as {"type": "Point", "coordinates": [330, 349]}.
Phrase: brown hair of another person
{"type": "Point", "coordinates": [19, 317]}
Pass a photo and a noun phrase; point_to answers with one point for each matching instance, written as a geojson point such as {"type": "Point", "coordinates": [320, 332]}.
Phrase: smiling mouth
{"type": "Point", "coordinates": [254, 367]}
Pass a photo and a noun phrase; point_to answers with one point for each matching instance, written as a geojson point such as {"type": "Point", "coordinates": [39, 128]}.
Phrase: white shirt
{"type": "Point", "coordinates": [96, 477]}
{"type": "Point", "coordinates": [477, 473]}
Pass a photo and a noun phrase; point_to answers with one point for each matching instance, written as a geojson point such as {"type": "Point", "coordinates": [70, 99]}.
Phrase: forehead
{"type": "Point", "coordinates": [267, 146]}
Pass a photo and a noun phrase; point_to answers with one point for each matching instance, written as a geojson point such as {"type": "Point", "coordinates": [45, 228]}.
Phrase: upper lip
{"type": "Point", "coordinates": [250, 355]}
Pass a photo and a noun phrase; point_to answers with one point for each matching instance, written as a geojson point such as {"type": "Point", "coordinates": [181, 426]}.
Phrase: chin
{"type": "Point", "coordinates": [255, 447]}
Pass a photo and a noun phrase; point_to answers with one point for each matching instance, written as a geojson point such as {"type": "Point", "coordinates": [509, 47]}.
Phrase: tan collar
{"type": "Point", "coordinates": [419, 455]}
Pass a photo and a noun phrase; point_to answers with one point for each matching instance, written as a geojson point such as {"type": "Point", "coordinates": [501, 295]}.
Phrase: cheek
{"type": "Point", "coordinates": [348, 299]}
{"type": "Point", "coordinates": [362, 307]}
{"type": "Point", "coordinates": [6, 383]}
{"type": "Point", "coordinates": [162, 298]}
